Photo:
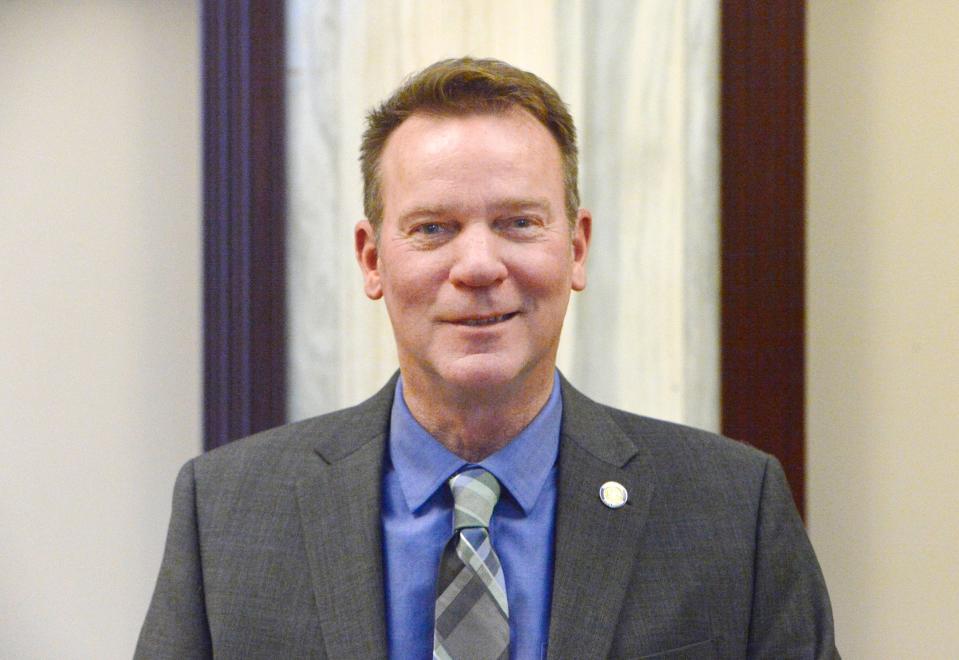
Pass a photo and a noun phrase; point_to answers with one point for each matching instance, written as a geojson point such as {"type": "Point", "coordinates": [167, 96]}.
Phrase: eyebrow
{"type": "Point", "coordinates": [514, 205]}
{"type": "Point", "coordinates": [499, 206]}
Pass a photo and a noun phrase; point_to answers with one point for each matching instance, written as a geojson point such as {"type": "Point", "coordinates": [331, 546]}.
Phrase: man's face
{"type": "Point", "coordinates": [475, 257]}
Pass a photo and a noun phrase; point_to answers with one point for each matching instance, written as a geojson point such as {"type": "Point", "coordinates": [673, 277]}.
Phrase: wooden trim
{"type": "Point", "coordinates": [763, 229]}
{"type": "Point", "coordinates": [244, 215]}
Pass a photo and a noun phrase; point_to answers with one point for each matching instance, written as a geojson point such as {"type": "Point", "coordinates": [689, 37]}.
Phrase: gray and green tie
{"type": "Point", "coordinates": [472, 616]}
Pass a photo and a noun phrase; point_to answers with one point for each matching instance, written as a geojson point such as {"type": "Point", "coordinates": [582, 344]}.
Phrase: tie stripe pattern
{"type": "Point", "coordinates": [472, 615]}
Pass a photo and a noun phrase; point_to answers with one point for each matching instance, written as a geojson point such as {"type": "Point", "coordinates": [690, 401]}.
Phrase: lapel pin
{"type": "Point", "coordinates": [613, 494]}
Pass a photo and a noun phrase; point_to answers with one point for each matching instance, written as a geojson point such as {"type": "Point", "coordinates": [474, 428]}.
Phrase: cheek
{"type": "Point", "coordinates": [412, 288]}
{"type": "Point", "coordinates": [546, 276]}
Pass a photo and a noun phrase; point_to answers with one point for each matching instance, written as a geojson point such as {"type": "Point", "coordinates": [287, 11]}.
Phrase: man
{"type": "Point", "coordinates": [578, 531]}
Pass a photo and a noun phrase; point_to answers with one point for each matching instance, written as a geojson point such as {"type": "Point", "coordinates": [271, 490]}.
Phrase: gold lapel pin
{"type": "Point", "coordinates": [613, 494]}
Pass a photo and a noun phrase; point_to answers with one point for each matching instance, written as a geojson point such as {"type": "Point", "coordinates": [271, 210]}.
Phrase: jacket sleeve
{"type": "Point", "coordinates": [176, 622]}
{"type": "Point", "coordinates": [791, 615]}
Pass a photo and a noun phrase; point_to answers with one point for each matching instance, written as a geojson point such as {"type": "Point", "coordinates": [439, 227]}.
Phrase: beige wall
{"type": "Point", "coordinates": [883, 347]}
{"type": "Point", "coordinates": [99, 313]}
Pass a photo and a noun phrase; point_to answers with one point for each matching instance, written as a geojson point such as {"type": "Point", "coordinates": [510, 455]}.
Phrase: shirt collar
{"type": "Point", "coordinates": [422, 464]}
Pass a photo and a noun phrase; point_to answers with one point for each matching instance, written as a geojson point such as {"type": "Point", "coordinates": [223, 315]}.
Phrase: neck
{"type": "Point", "coordinates": [475, 424]}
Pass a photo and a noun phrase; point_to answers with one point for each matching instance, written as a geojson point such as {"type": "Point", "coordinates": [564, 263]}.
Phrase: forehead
{"type": "Point", "coordinates": [473, 154]}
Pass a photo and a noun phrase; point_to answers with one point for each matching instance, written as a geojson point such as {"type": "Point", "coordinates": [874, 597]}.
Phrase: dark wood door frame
{"type": "Point", "coordinates": [244, 202]}
{"type": "Point", "coordinates": [762, 235]}
{"type": "Point", "coordinates": [763, 229]}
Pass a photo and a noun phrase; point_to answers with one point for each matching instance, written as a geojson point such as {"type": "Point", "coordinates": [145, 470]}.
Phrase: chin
{"type": "Point", "coordinates": [481, 372]}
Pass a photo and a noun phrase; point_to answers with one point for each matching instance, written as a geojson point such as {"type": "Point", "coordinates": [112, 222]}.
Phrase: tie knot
{"type": "Point", "coordinates": [475, 493]}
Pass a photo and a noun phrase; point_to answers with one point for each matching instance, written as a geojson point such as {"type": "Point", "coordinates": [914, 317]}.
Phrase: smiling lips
{"type": "Point", "coordinates": [481, 321]}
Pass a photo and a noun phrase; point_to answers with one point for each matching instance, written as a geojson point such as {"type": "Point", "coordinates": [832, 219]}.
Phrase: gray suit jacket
{"type": "Point", "coordinates": [274, 546]}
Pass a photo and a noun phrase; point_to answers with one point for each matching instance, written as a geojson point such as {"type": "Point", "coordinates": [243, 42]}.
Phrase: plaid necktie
{"type": "Point", "coordinates": [471, 616]}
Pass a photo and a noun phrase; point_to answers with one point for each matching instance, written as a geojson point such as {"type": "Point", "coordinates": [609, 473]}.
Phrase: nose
{"type": "Point", "coordinates": [478, 262]}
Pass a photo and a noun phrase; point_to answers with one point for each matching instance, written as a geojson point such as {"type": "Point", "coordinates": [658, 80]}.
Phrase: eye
{"type": "Point", "coordinates": [520, 225]}
{"type": "Point", "coordinates": [428, 228]}
{"type": "Point", "coordinates": [430, 234]}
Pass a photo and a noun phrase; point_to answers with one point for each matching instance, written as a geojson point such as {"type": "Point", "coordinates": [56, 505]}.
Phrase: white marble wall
{"type": "Point", "coordinates": [641, 78]}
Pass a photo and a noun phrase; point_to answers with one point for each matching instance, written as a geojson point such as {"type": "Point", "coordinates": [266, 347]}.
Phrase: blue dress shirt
{"type": "Point", "coordinates": [418, 522]}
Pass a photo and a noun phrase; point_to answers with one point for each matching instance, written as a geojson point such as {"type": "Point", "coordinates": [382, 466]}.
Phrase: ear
{"type": "Point", "coordinates": [368, 257]}
{"type": "Point", "coordinates": [581, 235]}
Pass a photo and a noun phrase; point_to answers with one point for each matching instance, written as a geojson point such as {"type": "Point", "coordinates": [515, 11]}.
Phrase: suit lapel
{"type": "Point", "coordinates": [595, 545]}
{"type": "Point", "coordinates": [339, 501]}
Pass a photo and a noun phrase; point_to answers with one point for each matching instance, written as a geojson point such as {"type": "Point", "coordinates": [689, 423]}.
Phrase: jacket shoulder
{"type": "Point", "coordinates": [598, 427]}
{"type": "Point", "coordinates": [674, 439]}
{"type": "Point", "coordinates": [282, 451]}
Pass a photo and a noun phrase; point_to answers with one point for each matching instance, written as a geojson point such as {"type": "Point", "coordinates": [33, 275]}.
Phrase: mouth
{"type": "Point", "coordinates": [481, 321]}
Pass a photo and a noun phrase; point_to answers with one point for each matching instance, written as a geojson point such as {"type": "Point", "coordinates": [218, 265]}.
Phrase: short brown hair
{"type": "Point", "coordinates": [465, 86]}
